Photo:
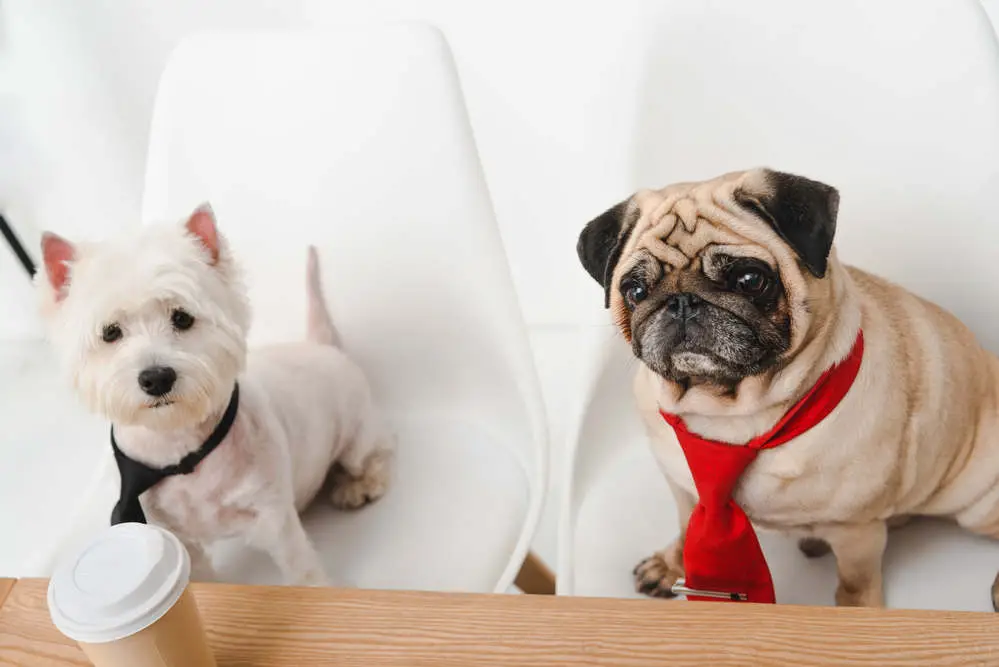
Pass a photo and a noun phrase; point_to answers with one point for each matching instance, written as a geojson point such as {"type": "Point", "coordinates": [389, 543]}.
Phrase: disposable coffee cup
{"type": "Point", "coordinates": [124, 598]}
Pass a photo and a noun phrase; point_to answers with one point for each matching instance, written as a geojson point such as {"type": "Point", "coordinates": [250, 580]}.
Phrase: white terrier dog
{"type": "Point", "coordinates": [153, 330]}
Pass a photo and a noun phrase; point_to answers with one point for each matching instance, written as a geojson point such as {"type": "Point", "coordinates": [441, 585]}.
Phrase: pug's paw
{"type": "Point", "coordinates": [656, 575]}
{"type": "Point", "coordinates": [813, 547]}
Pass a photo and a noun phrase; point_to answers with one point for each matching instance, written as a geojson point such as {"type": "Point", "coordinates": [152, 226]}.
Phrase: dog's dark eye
{"type": "Point", "coordinates": [634, 292]}
{"type": "Point", "coordinates": [181, 320]}
{"type": "Point", "coordinates": [749, 281]}
{"type": "Point", "coordinates": [111, 333]}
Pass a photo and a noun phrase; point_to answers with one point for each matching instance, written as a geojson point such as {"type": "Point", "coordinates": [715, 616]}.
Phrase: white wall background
{"type": "Point", "coordinates": [992, 7]}
{"type": "Point", "coordinates": [552, 87]}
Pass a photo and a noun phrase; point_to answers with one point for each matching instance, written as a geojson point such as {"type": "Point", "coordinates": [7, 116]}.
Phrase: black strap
{"type": "Point", "coordinates": [15, 244]}
{"type": "Point", "coordinates": [137, 478]}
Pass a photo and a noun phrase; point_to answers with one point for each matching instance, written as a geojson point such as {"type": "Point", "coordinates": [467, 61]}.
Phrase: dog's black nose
{"type": "Point", "coordinates": [682, 306]}
{"type": "Point", "coordinates": [157, 380]}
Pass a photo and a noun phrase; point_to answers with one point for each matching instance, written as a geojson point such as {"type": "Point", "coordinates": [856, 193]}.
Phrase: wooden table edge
{"type": "Point", "coordinates": [282, 626]}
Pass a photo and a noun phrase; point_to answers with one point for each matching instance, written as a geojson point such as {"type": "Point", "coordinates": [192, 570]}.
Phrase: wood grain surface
{"type": "Point", "coordinates": [289, 627]}
{"type": "Point", "coordinates": [5, 586]}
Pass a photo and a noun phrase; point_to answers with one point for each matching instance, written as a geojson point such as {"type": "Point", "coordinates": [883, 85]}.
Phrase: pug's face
{"type": "Point", "coordinates": [711, 282]}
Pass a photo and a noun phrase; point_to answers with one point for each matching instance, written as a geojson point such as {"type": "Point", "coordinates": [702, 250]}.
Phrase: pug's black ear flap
{"type": "Point", "coordinates": [802, 211]}
{"type": "Point", "coordinates": [600, 244]}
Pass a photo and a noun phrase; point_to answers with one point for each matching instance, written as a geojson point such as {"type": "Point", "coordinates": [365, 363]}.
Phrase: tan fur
{"type": "Point", "coordinates": [918, 434]}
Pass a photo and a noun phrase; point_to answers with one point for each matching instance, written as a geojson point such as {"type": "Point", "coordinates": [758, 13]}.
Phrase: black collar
{"type": "Point", "coordinates": [137, 478]}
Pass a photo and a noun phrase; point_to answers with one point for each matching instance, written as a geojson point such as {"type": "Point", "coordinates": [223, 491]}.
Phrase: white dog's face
{"type": "Point", "coordinates": [151, 327]}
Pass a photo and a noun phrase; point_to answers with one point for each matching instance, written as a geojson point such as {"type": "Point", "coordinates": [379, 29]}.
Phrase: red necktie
{"type": "Point", "coordinates": [721, 552]}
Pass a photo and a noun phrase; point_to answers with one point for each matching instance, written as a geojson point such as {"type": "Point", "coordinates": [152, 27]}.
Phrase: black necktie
{"type": "Point", "coordinates": [137, 478]}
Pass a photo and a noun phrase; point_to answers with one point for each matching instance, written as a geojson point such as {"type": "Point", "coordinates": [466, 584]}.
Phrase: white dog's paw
{"type": "Point", "coordinates": [203, 572]}
{"type": "Point", "coordinates": [314, 577]}
{"type": "Point", "coordinates": [354, 491]}
{"type": "Point", "coordinates": [202, 568]}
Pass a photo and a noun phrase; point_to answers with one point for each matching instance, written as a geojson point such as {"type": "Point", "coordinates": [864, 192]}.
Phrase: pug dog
{"type": "Point", "coordinates": [731, 295]}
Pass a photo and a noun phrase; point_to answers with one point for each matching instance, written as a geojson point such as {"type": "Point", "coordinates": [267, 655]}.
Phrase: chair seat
{"type": "Point", "coordinates": [451, 517]}
{"type": "Point", "coordinates": [929, 564]}
{"type": "Point", "coordinates": [54, 460]}
{"type": "Point", "coordinates": [453, 513]}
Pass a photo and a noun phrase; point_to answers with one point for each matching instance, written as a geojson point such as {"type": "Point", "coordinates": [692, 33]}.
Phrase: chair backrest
{"type": "Point", "coordinates": [357, 142]}
{"type": "Point", "coordinates": [895, 103]}
{"type": "Point", "coordinates": [882, 98]}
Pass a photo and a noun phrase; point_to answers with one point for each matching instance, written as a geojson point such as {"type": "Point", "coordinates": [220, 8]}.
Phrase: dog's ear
{"type": "Point", "coordinates": [802, 211]}
{"type": "Point", "coordinates": [57, 254]}
{"type": "Point", "coordinates": [202, 226]}
{"type": "Point", "coordinates": [601, 242]}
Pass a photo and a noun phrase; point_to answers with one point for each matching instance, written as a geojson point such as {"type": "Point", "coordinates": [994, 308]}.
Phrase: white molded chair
{"type": "Point", "coordinates": [897, 104]}
{"type": "Point", "coordinates": [53, 449]}
{"type": "Point", "coordinates": [55, 457]}
{"type": "Point", "coordinates": [358, 142]}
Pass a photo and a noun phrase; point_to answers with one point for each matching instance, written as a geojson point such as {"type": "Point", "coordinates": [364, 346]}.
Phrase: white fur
{"type": "Point", "coordinates": [303, 406]}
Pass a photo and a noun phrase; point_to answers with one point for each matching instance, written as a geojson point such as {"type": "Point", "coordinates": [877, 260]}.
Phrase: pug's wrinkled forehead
{"type": "Point", "coordinates": [778, 218]}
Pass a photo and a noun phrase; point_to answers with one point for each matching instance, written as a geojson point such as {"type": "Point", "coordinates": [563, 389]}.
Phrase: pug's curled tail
{"type": "Point", "coordinates": [319, 327]}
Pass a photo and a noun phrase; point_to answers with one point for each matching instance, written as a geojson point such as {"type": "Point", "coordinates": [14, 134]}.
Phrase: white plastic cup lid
{"type": "Point", "coordinates": [119, 584]}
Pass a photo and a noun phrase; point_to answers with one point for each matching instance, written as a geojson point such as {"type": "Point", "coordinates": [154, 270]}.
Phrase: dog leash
{"type": "Point", "coordinates": [15, 244]}
{"type": "Point", "coordinates": [137, 477]}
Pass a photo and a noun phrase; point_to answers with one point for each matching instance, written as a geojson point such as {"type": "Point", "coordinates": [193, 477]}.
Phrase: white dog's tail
{"type": "Point", "coordinates": [320, 327]}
